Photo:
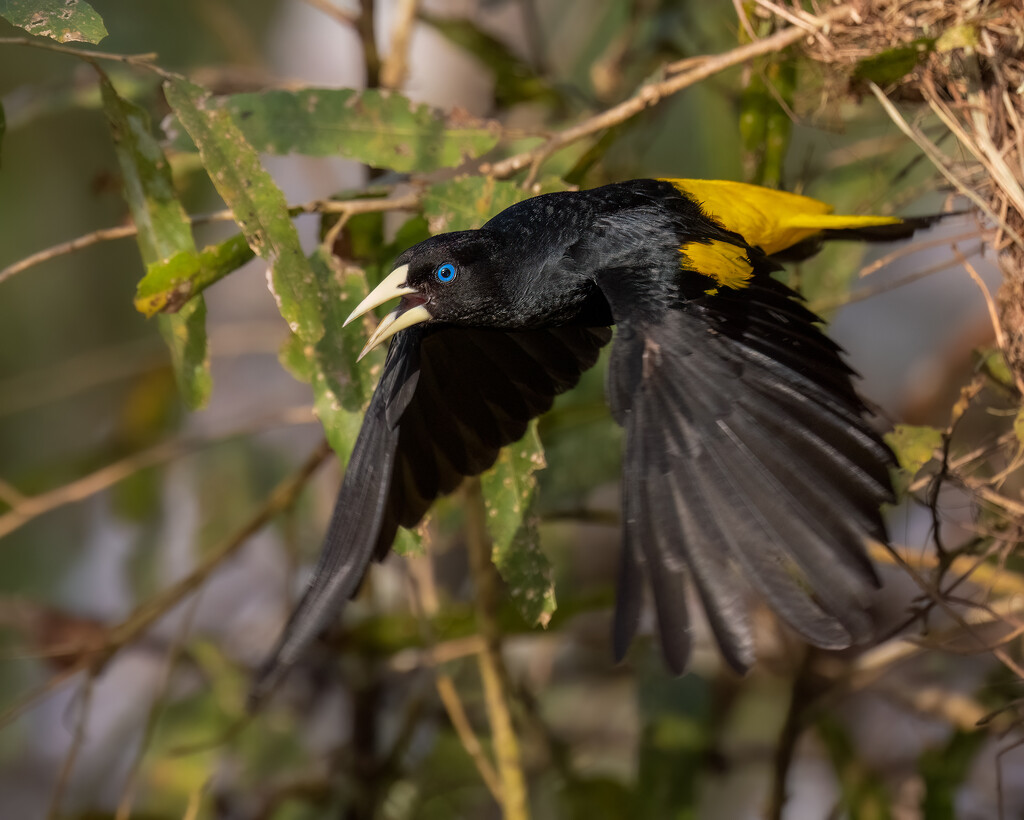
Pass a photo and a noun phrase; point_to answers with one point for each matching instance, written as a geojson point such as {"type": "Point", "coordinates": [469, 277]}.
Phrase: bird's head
{"type": "Point", "coordinates": [455, 277]}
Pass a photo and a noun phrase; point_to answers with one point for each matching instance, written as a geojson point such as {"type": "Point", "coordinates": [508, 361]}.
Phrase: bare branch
{"type": "Point", "coordinates": [32, 507]}
{"type": "Point", "coordinates": [396, 64]}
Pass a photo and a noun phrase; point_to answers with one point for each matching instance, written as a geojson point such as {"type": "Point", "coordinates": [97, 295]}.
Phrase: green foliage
{"type": "Point", "coordinates": [944, 770]}
{"type": "Point", "coordinates": [467, 202]}
{"type": "Point", "coordinates": [164, 231]}
{"type": "Point", "coordinates": [340, 388]}
{"type": "Point", "coordinates": [260, 208]}
{"type": "Point", "coordinates": [382, 129]}
{"type": "Point", "coordinates": [60, 20]}
{"type": "Point", "coordinates": [677, 737]}
{"type": "Point", "coordinates": [174, 280]}
{"type": "Point", "coordinates": [509, 488]}
{"type": "Point", "coordinates": [3, 127]}
{"type": "Point", "coordinates": [914, 446]}
{"type": "Point", "coordinates": [893, 65]}
{"type": "Point", "coordinates": [863, 791]}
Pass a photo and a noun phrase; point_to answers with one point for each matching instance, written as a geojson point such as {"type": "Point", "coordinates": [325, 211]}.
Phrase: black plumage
{"type": "Point", "coordinates": [748, 460]}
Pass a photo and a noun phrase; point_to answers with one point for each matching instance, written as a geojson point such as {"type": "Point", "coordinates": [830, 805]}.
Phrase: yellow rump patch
{"type": "Point", "coordinates": [725, 263]}
{"type": "Point", "coordinates": [773, 220]}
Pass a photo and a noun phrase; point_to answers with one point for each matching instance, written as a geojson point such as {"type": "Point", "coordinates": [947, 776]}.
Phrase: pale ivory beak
{"type": "Point", "coordinates": [391, 287]}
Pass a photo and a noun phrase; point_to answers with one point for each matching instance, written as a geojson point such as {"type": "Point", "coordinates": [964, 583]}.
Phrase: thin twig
{"type": "Point", "coordinates": [365, 25]}
{"type": "Point", "coordinates": [156, 709]}
{"type": "Point", "coordinates": [348, 207]}
{"type": "Point", "coordinates": [32, 507]}
{"type": "Point", "coordinates": [990, 305]}
{"type": "Point", "coordinates": [396, 64]}
{"type": "Point", "coordinates": [77, 739]}
{"type": "Point", "coordinates": [485, 581]}
{"type": "Point", "coordinates": [336, 13]}
{"type": "Point", "coordinates": [800, 699]}
{"type": "Point", "coordinates": [862, 294]}
{"type": "Point", "coordinates": [280, 499]}
{"type": "Point", "coordinates": [143, 60]}
{"type": "Point", "coordinates": [914, 247]}
{"type": "Point", "coordinates": [941, 162]}
{"type": "Point", "coordinates": [937, 598]}
{"type": "Point", "coordinates": [84, 241]}
{"type": "Point", "coordinates": [653, 93]}
{"type": "Point", "coordinates": [92, 658]}
{"type": "Point", "coordinates": [421, 573]}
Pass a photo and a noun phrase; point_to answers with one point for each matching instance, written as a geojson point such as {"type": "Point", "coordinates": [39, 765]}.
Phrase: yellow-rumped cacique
{"type": "Point", "coordinates": [748, 460]}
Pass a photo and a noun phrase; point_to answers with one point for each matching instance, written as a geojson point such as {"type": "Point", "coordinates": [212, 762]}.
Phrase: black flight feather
{"type": "Point", "coordinates": [748, 458]}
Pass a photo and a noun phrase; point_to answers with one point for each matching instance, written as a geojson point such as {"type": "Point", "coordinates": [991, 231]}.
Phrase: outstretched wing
{"type": "Point", "coordinates": [448, 400]}
{"type": "Point", "coordinates": [748, 462]}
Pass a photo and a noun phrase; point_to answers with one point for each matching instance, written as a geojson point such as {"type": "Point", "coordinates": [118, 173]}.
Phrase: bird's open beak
{"type": "Point", "coordinates": [411, 311]}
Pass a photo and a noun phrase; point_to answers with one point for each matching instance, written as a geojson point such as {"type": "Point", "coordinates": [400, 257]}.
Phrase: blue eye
{"type": "Point", "coordinates": [446, 273]}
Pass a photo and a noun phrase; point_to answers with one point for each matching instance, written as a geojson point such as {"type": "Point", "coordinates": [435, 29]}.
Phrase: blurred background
{"type": "Point", "coordinates": [111, 490]}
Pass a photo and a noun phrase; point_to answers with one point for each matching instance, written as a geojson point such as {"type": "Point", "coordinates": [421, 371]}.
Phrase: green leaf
{"type": "Point", "coordinates": [468, 202]}
{"type": "Point", "coordinates": [914, 446]}
{"type": "Point", "coordinates": [379, 128]}
{"type": "Point", "coordinates": [185, 334]}
{"type": "Point", "coordinates": [963, 36]}
{"type": "Point", "coordinates": [944, 770]}
{"type": "Point", "coordinates": [65, 21]}
{"type": "Point", "coordinates": [993, 363]}
{"type": "Point", "coordinates": [341, 389]}
{"type": "Point", "coordinates": [260, 208]}
{"type": "Point", "coordinates": [894, 64]}
{"type": "Point", "coordinates": [171, 282]}
{"type": "Point", "coordinates": [509, 488]}
{"type": "Point", "coordinates": [1018, 426]}
{"type": "Point", "coordinates": [164, 230]}
{"type": "Point", "coordinates": [3, 127]}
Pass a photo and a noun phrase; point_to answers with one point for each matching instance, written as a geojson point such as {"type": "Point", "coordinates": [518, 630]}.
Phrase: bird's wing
{"type": "Point", "coordinates": [448, 400]}
{"type": "Point", "coordinates": [747, 461]}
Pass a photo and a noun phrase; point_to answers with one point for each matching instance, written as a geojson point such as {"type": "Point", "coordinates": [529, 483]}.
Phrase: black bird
{"type": "Point", "coordinates": [748, 460]}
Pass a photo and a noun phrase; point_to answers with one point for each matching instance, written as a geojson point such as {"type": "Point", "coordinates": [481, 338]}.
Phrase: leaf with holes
{"type": "Point", "coordinates": [164, 231]}
{"type": "Point", "coordinates": [379, 128]}
{"type": "Point", "coordinates": [65, 21]}
{"type": "Point", "coordinates": [509, 488]}
{"type": "Point", "coordinates": [260, 208]}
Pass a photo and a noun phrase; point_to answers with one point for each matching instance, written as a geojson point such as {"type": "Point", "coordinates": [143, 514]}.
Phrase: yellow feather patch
{"type": "Point", "coordinates": [772, 220]}
{"type": "Point", "coordinates": [726, 264]}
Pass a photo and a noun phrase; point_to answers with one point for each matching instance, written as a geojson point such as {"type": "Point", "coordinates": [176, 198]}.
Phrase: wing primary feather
{"type": "Point", "coordinates": [683, 517]}
{"type": "Point", "coordinates": [758, 550]}
{"type": "Point", "coordinates": [665, 572]}
{"type": "Point", "coordinates": [348, 548]}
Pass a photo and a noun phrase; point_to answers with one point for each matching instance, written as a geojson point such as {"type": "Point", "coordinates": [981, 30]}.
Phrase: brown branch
{"type": "Point", "coordinates": [84, 241]}
{"type": "Point", "coordinates": [347, 208]}
{"type": "Point", "coordinates": [942, 163]}
{"type": "Point", "coordinates": [280, 499]}
{"type": "Point", "coordinates": [368, 36]}
{"type": "Point", "coordinates": [653, 93]}
{"type": "Point", "coordinates": [913, 247]}
{"type": "Point", "coordinates": [421, 573]}
{"type": "Point", "coordinates": [485, 581]}
{"type": "Point", "coordinates": [800, 699]}
{"type": "Point", "coordinates": [124, 807]}
{"type": "Point", "coordinates": [141, 60]}
{"type": "Point", "coordinates": [32, 507]}
{"type": "Point", "coordinates": [396, 64]}
{"type": "Point", "coordinates": [93, 657]}
{"type": "Point", "coordinates": [77, 739]}
{"type": "Point", "coordinates": [862, 294]}
{"type": "Point", "coordinates": [339, 15]}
